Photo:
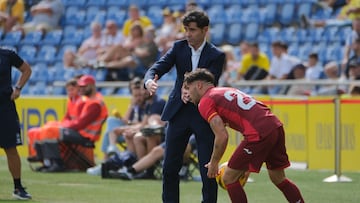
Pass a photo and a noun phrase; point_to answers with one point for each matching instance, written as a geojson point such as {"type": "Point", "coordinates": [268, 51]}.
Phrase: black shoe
{"type": "Point", "coordinates": [41, 168]}
{"type": "Point", "coordinates": [145, 175]}
{"type": "Point", "coordinates": [34, 159]}
{"type": "Point", "coordinates": [21, 194]}
{"type": "Point", "coordinates": [54, 168]}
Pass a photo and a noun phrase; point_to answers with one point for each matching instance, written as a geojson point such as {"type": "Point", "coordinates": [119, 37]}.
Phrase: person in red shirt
{"type": "Point", "coordinates": [264, 137]}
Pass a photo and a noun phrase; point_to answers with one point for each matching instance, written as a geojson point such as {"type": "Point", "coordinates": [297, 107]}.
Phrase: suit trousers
{"type": "Point", "coordinates": [187, 121]}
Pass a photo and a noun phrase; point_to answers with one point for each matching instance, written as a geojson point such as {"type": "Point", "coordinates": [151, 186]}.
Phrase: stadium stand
{"type": "Point", "coordinates": [232, 21]}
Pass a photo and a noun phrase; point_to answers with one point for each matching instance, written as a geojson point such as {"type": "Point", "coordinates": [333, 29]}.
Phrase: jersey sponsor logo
{"type": "Point", "coordinates": [247, 151]}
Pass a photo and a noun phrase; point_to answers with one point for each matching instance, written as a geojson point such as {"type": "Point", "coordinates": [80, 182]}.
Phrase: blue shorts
{"type": "Point", "coordinates": [9, 125]}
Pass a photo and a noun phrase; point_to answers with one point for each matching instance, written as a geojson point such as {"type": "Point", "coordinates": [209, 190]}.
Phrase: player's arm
{"type": "Point", "coordinates": [221, 139]}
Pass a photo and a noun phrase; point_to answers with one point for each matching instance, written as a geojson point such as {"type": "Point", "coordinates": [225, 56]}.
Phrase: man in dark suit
{"type": "Point", "coordinates": [182, 116]}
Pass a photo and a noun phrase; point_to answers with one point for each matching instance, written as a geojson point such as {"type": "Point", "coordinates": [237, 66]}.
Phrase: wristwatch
{"type": "Point", "coordinates": [18, 87]}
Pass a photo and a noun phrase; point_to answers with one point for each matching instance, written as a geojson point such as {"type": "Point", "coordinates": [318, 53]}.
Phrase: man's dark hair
{"type": "Point", "coordinates": [201, 74]}
{"type": "Point", "coordinates": [314, 56]}
{"type": "Point", "coordinates": [135, 83]}
{"type": "Point", "coordinates": [198, 17]}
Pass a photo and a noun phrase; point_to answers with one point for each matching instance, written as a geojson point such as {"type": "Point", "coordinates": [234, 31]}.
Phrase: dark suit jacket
{"type": "Point", "coordinates": [179, 55]}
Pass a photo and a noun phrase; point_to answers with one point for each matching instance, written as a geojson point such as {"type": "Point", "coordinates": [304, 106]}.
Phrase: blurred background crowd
{"type": "Point", "coordinates": [117, 40]}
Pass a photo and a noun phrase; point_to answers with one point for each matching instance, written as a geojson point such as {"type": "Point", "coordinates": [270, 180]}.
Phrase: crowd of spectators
{"type": "Point", "coordinates": [126, 50]}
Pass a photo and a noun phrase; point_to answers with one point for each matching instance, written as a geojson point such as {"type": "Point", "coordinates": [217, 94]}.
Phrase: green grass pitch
{"type": "Point", "coordinates": [83, 188]}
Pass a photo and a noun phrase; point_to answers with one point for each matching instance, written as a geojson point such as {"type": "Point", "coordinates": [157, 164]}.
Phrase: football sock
{"type": "Point", "coordinates": [17, 183]}
{"type": "Point", "coordinates": [236, 192]}
{"type": "Point", "coordinates": [291, 191]}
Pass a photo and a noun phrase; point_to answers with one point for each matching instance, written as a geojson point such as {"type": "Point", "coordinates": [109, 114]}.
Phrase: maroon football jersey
{"type": "Point", "coordinates": [239, 111]}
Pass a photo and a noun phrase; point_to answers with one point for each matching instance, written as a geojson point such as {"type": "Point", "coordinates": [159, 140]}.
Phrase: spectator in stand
{"type": "Point", "coordinates": [332, 72]}
{"type": "Point", "coordinates": [87, 51]}
{"type": "Point", "coordinates": [141, 58]}
{"type": "Point", "coordinates": [11, 14]}
{"type": "Point", "coordinates": [350, 39]}
{"type": "Point", "coordinates": [255, 65]}
{"type": "Point", "coordinates": [355, 57]}
{"type": "Point", "coordinates": [348, 12]}
{"type": "Point", "coordinates": [167, 33]}
{"type": "Point", "coordinates": [281, 65]}
{"type": "Point", "coordinates": [134, 17]}
{"type": "Point", "coordinates": [120, 51]}
{"type": "Point", "coordinates": [244, 48]}
{"type": "Point", "coordinates": [354, 90]}
{"type": "Point", "coordinates": [111, 38]}
{"type": "Point", "coordinates": [46, 16]}
{"type": "Point", "coordinates": [354, 70]}
{"type": "Point", "coordinates": [314, 69]}
{"type": "Point", "coordinates": [298, 74]}
{"type": "Point", "coordinates": [85, 128]}
{"type": "Point", "coordinates": [230, 70]}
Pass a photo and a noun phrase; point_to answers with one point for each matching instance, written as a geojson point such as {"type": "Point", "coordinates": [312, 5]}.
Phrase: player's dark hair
{"type": "Point", "coordinates": [201, 74]}
{"type": "Point", "coordinates": [196, 16]}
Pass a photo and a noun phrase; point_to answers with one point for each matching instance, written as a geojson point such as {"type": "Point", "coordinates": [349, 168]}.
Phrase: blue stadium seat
{"type": "Point", "coordinates": [120, 3]}
{"type": "Point", "coordinates": [27, 52]}
{"type": "Point", "coordinates": [39, 88]}
{"type": "Point", "coordinates": [79, 3]}
{"type": "Point", "coordinates": [304, 9]}
{"type": "Point", "coordinates": [117, 14]}
{"type": "Point", "coordinates": [142, 4]}
{"type": "Point", "coordinates": [73, 38]}
{"type": "Point", "coordinates": [293, 49]}
{"type": "Point", "coordinates": [46, 54]}
{"type": "Point", "coordinates": [251, 32]}
{"type": "Point", "coordinates": [60, 54]}
{"type": "Point", "coordinates": [334, 53]}
{"type": "Point", "coordinates": [225, 3]}
{"type": "Point", "coordinates": [32, 38]}
{"type": "Point", "coordinates": [155, 15]}
{"type": "Point", "coordinates": [95, 14]}
{"type": "Point", "coordinates": [316, 34]}
{"type": "Point", "coordinates": [287, 14]}
{"type": "Point", "coordinates": [288, 34]}
{"type": "Point", "coordinates": [270, 12]}
{"type": "Point", "coordinates": [234, 33]}
{"type": "Point", "coordinates": [52, 37]}
{"type": "Point", "coordinates": [74, 16]}
{"type": "Point", "coordinates": [59, 71]}
{"type": "Point", "coordinates": [304, 51]}
{"type": "Point", "coordinates": [58, 90]}
{"type": "Point", "coordinates": [161, 3]}
{"type": "Point", "coordinates": [331, 34]}
{"type": "Point", "coordinates": [234, 14]}
{"type": "Point", "coordinates": [217, 14]}
{"type": "Point", "coordinates": [11, 38]}
{"type": "Point", "coordinates": [251, 14]}
{"type": "Point", "coordinates": [39, 73]}
{"type": "Point", "coordinates": [217, 33]}
{"type": "Point", "coordinates": [97, 3]}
